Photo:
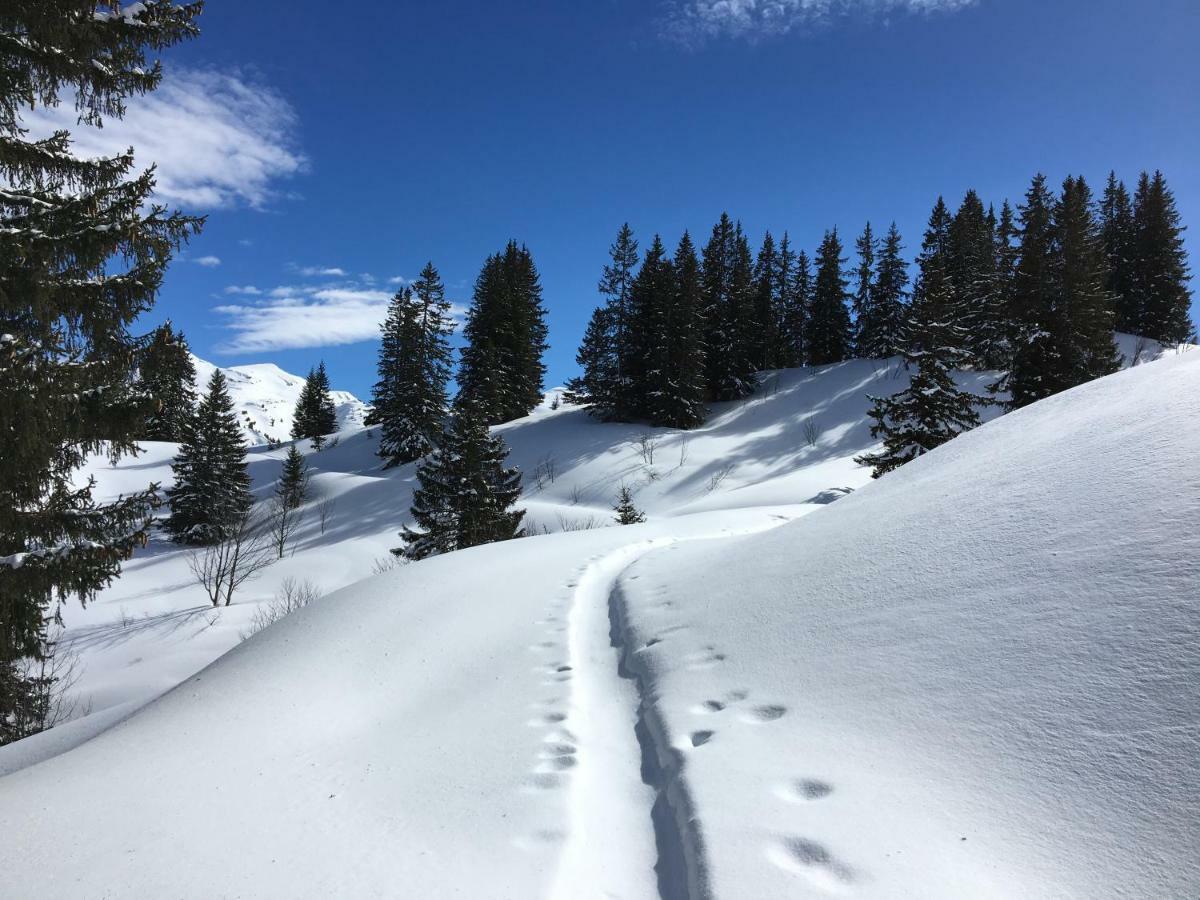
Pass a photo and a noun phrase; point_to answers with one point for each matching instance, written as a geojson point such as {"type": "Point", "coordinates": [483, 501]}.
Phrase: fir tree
{"type": "Point", "coordinates": [502, 369]}
{"type": "Point", "coordinates": [764, 336]}
{"type": "Point", "coordinates": [316, 416]}
{"type": "Point", "coordinates": [679, 402]}
{"type": "Point", "coordinates": [212, 483]}
{"type": "Point", "coordinates": [627, 513]}
{"type": "Point", "coordinates": [649, 333]}
{"type": "Point", "coordinates": [973, 272]}
{"type": "Point", "coordinates": [596, 387]}
{"type": "Point", "coordinates": [410, 399]}
{"type": "Point", "coordinates": [292, 489]}
{"type": "Point", "coordinates": [793, 330]}
{"type": "Point", "coordinates": [789, 324]}
{"type": "Point", "coordinates": [1161, 273]}
{"type": "Point", "coordinates": [891, 300]}
{"type": "Point", "coordinates": [1119, 235]}
{"type": "Point", "coordinates": [866, 326]}
{"type": "Point", "coordinates": [828, 338]}
{"type": "Point", "coordinates": [728, 302]}
{"type": "Point", "coordinates": [932, 409]}
{"type": "Point", "coordinates": [167, 376]}
{"type": "Point", "coordinates": [616, 284]}
{"type": "Point", "coordinates": [83, 251]}
{"type": "Point", "coordinates": [467, 493]}
{"type": "Point", "coordinates": [999, 355]}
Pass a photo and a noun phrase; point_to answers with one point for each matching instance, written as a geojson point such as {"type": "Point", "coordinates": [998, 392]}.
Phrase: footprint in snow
{"type": "Point", "coordinates": [813, 861]}
{"type": "Point", "coordinates": [760, 715]}
{"type": "Point", "coordinates": [804, 790]}
{"type": "Point", "coordinates": [700, 738]}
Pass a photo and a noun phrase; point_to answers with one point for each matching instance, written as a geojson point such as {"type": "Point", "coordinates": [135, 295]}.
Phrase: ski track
{"type": "Point", "coordinates": [629, 814]}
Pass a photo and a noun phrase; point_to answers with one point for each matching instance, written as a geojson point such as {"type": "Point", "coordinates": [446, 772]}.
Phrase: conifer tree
{"type": "Point", "coordinates": [167, 376]}
{"type": "Point", "coordinates": [932, 409]}
{"type": "Point", "coordinates": [977, 308]}
{"type": "Point", "coordinates": [212, 483]}
{"type": "Point", "coordinates": [789, 312]}
{"type": "Point", "coordinates": [648, 360]}
{"type": "Point", "coordinates": [764, 336]}
{"type": "Point", "coordinates": [83, 251]}
{"type": "Point", "coordinates": [1161, 271]}
{"type": "Point", "coordinates": [596, 387]}
{"type": "Point", "coordinates": [292, 489]}
{"type": "Point", "coordinates": [502, 370]}
{"type": "Point", "coordinates": [728, 278]}
{"type": "Point", "coordinates": [410, 399]}
{"type": "Point", "coordinates": [679, 402]}
{"type": "Point", "coordinates": [316, 416]}
{"type": "Point", "coordinates": [627, 512]}
{"type": "Point", "coordinates": [795, 315]}
{"type": "Point", "coordinates": [1119, 234]}
{"type": "Point", "coordinates": [866, 326]}
{"type": "Point", "coordinates": [890, 301]}
{"type": "Point", "coordinates": [828, 338]}
{"type": "Point", "coordinates": [467, 494]}
{"type": "Point", "coordinates": [999, 355]}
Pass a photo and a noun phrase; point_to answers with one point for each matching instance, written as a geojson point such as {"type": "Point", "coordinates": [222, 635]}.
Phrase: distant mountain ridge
{"type": "Point", "coordinates": [265, 396]}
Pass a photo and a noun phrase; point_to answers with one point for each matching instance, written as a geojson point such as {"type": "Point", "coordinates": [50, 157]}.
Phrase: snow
{"type": "Point", "coordinates": [977, 676]}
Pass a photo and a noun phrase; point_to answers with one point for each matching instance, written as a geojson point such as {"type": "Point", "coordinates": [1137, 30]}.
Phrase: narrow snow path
{"type": "Point", "coordinates": [612, 849]}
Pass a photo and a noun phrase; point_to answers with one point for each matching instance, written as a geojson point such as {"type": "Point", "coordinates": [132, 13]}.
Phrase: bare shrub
{"type": "Point", "coordinates": [222, 568]}
{"type": "Point", "coordinates": [387, 564]}
{"type": "Point", "coordinates": [812, 431]}
{"type": "Point", "coordinates": [325, 508]}
{"type": "Point", "coordinates": [51, 680]}
{"type": "Point", "coordinates": [282, 521]}
{"type": "Point", "coordinates": [581, 524]}
{"type": "Point", "coordinates": [684, 446]}
{"type": "Point", "coordinates": [576, 494]}
{"type": "Point", "coordinates": [646, 444]}
{"type": "Point", "coordinates": [292, 595]}
{"type": "Point", "coordinates": [718, 477]}
{"type": "Point", "coordinates": [545, 472]}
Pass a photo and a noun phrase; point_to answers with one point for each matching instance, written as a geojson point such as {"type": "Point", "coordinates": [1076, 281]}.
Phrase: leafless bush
{"type": "Point", "coordinates": [718, 477]}
{"type": "Point", "coordinates": [646, 444]}
{"type": "Point", "coordinates": [545, 472]}
{"type": "Point", "coordinates": [325, 508]}
{"type": "Point", "coordinates": [222, 568]}
{"type": "Point", "coordinates": [52, 680]}
{"type": "Point", "coordinates": [282, 521]}
{"type": "Point", "coordinates": [812, 431]}
{"type": "Point", "coordinates": [580, 524]}
{"type": "Point", "coordinates": [684, 445]}
{"type": "Point", "coordinates": [292, 595]}
{"type": "Point", "coordinates": [387, 563]}
{"type": "Point", "coordinates": [576, 494]}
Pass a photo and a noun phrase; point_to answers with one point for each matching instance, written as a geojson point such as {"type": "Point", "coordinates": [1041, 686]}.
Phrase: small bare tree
{"type": "Point", "coordinates": [812, 431]}
{"type": "Point", "coordinates": [52, 679]}
{"type": "Point", "coordinates": [646, 444]}
{"type": "Point", "coordinates": [545, 472]}
{"type": "Point", "coordinates": [325, 507]}
{"type": "Point", "coordinates": [223, 567]}
{"type": "Point", "coordinates": [718, 477]}
{"type": "Point", "coordinates": [282, 521]}
{"type": "Point", "coordinates": [292, 595]}
{"type": "Point", "coordinates": [684, 443]}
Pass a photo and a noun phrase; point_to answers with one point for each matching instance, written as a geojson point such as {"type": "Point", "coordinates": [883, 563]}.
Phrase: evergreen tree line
{"type": "Point", "coordinates": [1035, 293]}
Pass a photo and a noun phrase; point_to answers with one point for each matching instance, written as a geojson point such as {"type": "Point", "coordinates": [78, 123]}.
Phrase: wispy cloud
{"type": "Point", "coordinates": [247, 290]}
{"type": "Point", "coordinates": [696, 21]}
{"type": "Point", "coordinates": [315, 271]}
{"type": "Point", "coordinates": [220, 140]}
{"type": "Point", "coordinates": [209, 262]}
{"type": "Point", "coordinates": [290, 317]}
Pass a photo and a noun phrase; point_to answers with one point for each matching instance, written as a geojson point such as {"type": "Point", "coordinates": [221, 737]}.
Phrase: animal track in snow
{"type": "Point", "coordinates": [705, 659]}
{"type": "Point", "coordinates": [813, 861]}
{"type": "Point", "coordinates": [543, 781]}
{"type": "Point", "coordinates": [700, 738]}
{"type": "Point", "coordinates": [804, 790]}
{"type": "Point", "coordinates": [768, 713]}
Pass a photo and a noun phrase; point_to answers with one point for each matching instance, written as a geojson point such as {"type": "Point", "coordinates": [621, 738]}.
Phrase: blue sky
{"type": "Point", "coordinates": [335, 151]}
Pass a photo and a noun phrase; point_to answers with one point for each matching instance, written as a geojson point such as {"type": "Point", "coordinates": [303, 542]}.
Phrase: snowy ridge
{"type": "Point", "coordinates": [264, 397]}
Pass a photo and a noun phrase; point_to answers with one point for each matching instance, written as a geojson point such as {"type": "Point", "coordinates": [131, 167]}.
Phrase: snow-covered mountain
{"type": "Point", "coordinates": [265, 399]}
{"type": "Point", "coordinates": [977, 677]}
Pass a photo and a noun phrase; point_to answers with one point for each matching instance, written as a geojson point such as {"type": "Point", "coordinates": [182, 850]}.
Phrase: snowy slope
{"type": "Point", "coordinates": [265, 396]}
{"type": "Point", "coordinates": [969, 648]}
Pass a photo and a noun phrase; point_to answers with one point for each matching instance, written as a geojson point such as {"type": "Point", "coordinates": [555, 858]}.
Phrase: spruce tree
{"type": "Point", "coordinates": [973, 272]}
{"type": "Point", "coordinates": [649, 336]}
{"type": "Point", "coordinates": [891, 300]}
{"type": "Point", "coordinates": [1005, 252]}
{"type": "Point", "coordinates": [932, 409]}
{"type": "Point", "coordinates": [292, 489]}
{"type": "Point", "coordinates": [83, 251]}
{"type": "Point", "coordinates": [316, 416]}
{"type": "Point", "coordinates": [789, 325]}
{"type": "Point", "coordinates": [627, 512]}
{"type": "Point", "coordinates": [410, 399]}
{"type": "Point", "coordinates": [212, 482]}
{"type": "Point", "coordinates": [728, 279]}
{"type": "Point", "coordinates": [502, 370]}
{"type": "Point", "coordinates": [467, 494]}
{"type": "Point", "coordinates": [795, 315]}
{"type": "Point", "coordinates": [1161, 272]}
{"type": "Point", "coordinates": [1119, 235]}
{"type": "Point", "coordinates": [866, 325]}
{"type": "Point", "coordinates": [679, 402]}
{"type": "Point", "coordinates": [167, 376]}
{"type": "Point", "coordinates": [829, 333]}
{"type": "Point", "coordinates": [764, 336]}
{"type": "Point", "coordinates": [596, 387]}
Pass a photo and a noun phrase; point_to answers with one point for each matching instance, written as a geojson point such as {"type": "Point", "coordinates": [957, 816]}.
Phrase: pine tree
{"type": "Point", "coordinates": [292, 489]}
{"type": "Point", "coordinates": [828, 339]}
{"type": "Point", "coordinates": [316, 416]}
{"type": "Point", "coordinates": [727, 279]}
{"type": "Point", "coordinates": [679, 402]}
{"type": "Point", "coordinates": [999, 354]}
{"type": "Point", "coordinates": [866, 326]}
{"type": "Point", "coordinates": [1161, 273]}
{"type": "Point", "coordinates": [1119, 235]}
{"type": "Point", "coordinates": [764, 337]}
{"type": "Point", "coordinates": [467, 493]}
{"type": "Point", "coordinates": [648, 358]}
{"type": "Point", "coordinates": [932, 409]}
{"type": "Point", "coordinates": [212, 481]}
{"type": "Point", "coordinates": [1081, 273]}
{"type": "Point", "coordinates": [795, 313]}
{"type": "Point", "coordinates": [789, 325]}
{"type": "Point", "coordinates": [167, 376]}
{"type": "Point", "coordinates": [891, 300]}
{"type": "Point", "coordinates": [973, 273]}
{"type": "Point", "coordinates": [410, 399]}
{"type": "Point", "coordinates": [502, 370]}
{"type": "Point", "coordinates": [83, 251]}
{"type": "Point", "coordinates": [627, 513]}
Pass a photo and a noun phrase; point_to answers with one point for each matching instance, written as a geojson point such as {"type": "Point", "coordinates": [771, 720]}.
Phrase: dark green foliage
{"type": "Point", "coordinates": [627, 513]}
{"type": "Point", "coordinates": [678, 401]}
{"type": "Point", "coordinates": [648, 355]}
{"type": "Point", "coordinates": [316, 416]}
{"type": "Point", "coordinates": [83, 251]}
{"type": "Point", "coordinates": [292, 489]}
{"type": "Point", "coordinates": [829, 335]}
{"type": "Point", "coordinates": [502, 370]}
{"type": "Point", "coordinates": [764, 336]}
{"type": "Point", "coordinates": [978, 308]}
{"type": "Point", "coordinates": [932, 409]}
{"type": "Point", "coordinates": [728, 290]}
{"type": "Point", "coordinates": [889, 301]}
{"type": "Point", "coordinates": [212, 484]}
{"type": "Point", "coordinates": [863, 303]}
{"type": "Point", "coordinates": [1163, 301]}
{"type": "Point", "coordinates": [168, 376]}
{"type": "Point", "coordinates": [467, 494]}
{"type": "Point", "coordinates": [794, 314]}
{"type": "Point", "coordinates": [789, 308]}
{"type": "Point", "coordinates": [1119, 235]}
{"type": "Point", "coordinates": [410, 399]}
{"type": "Point", "coordinates": [1000, 354]}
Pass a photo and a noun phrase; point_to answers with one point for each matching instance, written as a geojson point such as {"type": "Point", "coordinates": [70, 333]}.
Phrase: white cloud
{"type": "Point", "coordinates": [399, 279]}
{"type": "Point", "coordinates": [310, 316]}
{"type": "Point", "coordinates": [695, 21]}
{"type": "Point", "coordinates": [247, 290]}
{"type": "Point", "coordinates": [219, 140]}
{"type": "Point", "coordinates": [314, 271]}
{"type": "Point", "coordinates": [209, 262]}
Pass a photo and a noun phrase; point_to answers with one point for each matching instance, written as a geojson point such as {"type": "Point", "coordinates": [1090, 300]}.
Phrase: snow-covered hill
{"type": "Point", "coordinates": [976, 677]}
{"type": "Point", "coordinates": [265, 396]}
